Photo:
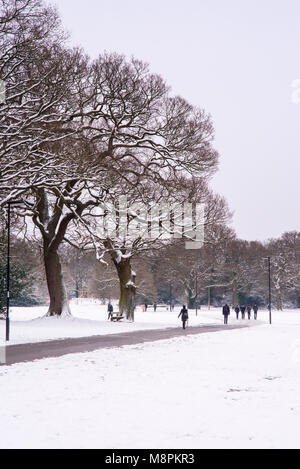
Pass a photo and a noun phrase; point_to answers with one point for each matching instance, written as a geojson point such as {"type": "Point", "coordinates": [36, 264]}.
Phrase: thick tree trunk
{"type": "Point", "coordinates": [59, 304]}
{"type": "Point", "coordinates": [53, 229]}
{"type": "Point", "coordinates": [126, 279]}
{"type": "Point", "coordinates": [127, 289]}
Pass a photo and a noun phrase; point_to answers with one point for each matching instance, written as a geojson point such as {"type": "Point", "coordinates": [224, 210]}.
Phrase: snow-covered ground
{"type": "Point", "coordinates": [89, 317]}
{"type": "Point", "coordinates": [232, 389]}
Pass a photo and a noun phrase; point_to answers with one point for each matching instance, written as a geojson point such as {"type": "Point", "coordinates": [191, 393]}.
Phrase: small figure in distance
{"type": "Point", "coordinates": [226, 313]}
{"type": "Point", "coordinates": [184, 316]}
{"type": "Point", "coordinates": [243, 310]}
{"type": "Point", "coordinates": [249, 309]}
{"type": "Point", "coordinates": [110, 310]}
{"type": "Point", "coordinates": [255, 309]}
{"type": "Point", "coordinates": [237, 311]}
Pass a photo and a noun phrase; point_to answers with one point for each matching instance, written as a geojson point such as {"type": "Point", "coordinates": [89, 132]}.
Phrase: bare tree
{"type": "Point", "coordinates": [145, 230]}
{"type": "Point", "coordinates": [74, 134]}
{"type": "Point", "coordinates": [42, 79]}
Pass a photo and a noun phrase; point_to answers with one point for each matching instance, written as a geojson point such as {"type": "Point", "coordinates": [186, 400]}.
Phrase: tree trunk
{"type": "Point", "coordinates": [59, 304]}
{"type": "Point", "coordinates": [191, 298]}
{"type": "Point", "coordinates": [234, 294]}
{"type": "Point", "coordinates": [278, 300]}
{"type": "Point", "coordinates": [127, 288]}
{"type": "Point", "coordinates": [126, 279]}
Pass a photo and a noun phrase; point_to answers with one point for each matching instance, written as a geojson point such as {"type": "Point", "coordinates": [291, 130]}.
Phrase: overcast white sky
{"type": "Point", "coordinates": [235, 58]}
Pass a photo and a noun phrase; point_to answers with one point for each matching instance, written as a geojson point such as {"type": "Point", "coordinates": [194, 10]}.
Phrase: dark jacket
{"type": "Point", "coordinates": [184, 314]}
{"type": "Point", "coordinates": [226, 310]}
{"type": "Point", "coordinates": [110, 308]}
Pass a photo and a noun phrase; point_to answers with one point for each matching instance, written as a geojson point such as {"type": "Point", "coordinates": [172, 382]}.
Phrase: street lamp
{"type": "Point", "coordinates": [171, 297]}
{"type": "Point", "coordinates": [197, 294]}
{"type": "Point", "coordinates": [270, 292]}
{"type": "Point", "coordinates": [10, 204]}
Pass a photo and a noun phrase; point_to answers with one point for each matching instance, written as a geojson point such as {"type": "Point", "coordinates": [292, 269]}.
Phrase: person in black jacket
{"type": "Point", "coordinates": [243, 310]}
{"type": "Point", "coordinates": [226, 313]}
{"type": "Point", "coordinates": [255, 309]}
{"type": "Point", "coordinates": [249, 309]}
{"type": "Point", "coordinates": [110, 310]}
{"type": "Point", "coordinates": [184, 316]}
{"type": "Point", "coordinates": [237, 311]}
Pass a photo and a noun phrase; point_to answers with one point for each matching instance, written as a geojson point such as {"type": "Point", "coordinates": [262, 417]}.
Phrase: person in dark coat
{"type": "Point", "coordinates": [243, 310]}
{"type": "Point", "coordinates": [155, 306]}
{"type": "Point", "coordinates": [226, 313]}
{"type": "Point", "coordinates": [255, 309]}
{"type": "Point", "coordinates": [249, 309]}
{"type": "Point", "coordinates": [110, 310]}
{"type": "Point", "coordinates": [237, 311]}
{"type": "Point", "coordinates": [184, 316]}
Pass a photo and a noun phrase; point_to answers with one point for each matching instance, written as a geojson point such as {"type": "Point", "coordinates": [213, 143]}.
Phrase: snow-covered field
{"type": "Point", "coordinates": [232, 389]}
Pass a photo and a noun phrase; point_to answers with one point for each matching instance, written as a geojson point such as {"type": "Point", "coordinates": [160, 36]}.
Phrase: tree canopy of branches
{"type": "Point", "coordinates": [75, 133]}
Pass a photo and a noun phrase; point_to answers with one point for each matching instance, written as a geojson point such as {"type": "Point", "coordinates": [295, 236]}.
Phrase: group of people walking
{"type": "Point", "coordinates": [240, 309]}
{"type": "Point", "coordinates": [226, 313]}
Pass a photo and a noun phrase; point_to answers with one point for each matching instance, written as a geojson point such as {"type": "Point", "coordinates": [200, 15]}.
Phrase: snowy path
{"type": "Point", "coordinates": [29, 325]}
{"type": "Point", "coordinates": [58, 348]}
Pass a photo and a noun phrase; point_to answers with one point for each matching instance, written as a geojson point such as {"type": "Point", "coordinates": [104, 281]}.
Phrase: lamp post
{"type": "Point", "coordinates": [196, 293]}
{"type": "Point", "coordinates": [171, 297]}
{"type": "Point", "coordinates": [270, 291]}
{"type": "Point", "coordinates": [10, 204]}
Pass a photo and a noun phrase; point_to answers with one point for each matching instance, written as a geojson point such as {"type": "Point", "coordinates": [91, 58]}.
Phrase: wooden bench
{"type": "Point", "coordinates": [116, 316]}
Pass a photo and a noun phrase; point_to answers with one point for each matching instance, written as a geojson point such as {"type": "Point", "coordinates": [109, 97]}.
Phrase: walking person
{"type": "Point", "coordinates": [184, 316]}
{"type": "Point", "coordinates": [249, 309]}
{"type": "Point", "coordinates": [255, 309]}
{"type": "Point", "coordinates": [237, 311]}
{"type": "Point", "coordinates": [226, 313]}
{"type": "Point", "coordinates": [243, 310]}
{"type": "Point", "coordinates": [110, 310]}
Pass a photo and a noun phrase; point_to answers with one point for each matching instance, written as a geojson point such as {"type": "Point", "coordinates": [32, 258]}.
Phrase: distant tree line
{"type": "Point", "coordinates": [231, 270]}
{"type": "Point", "coordinates": [227, 269]}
